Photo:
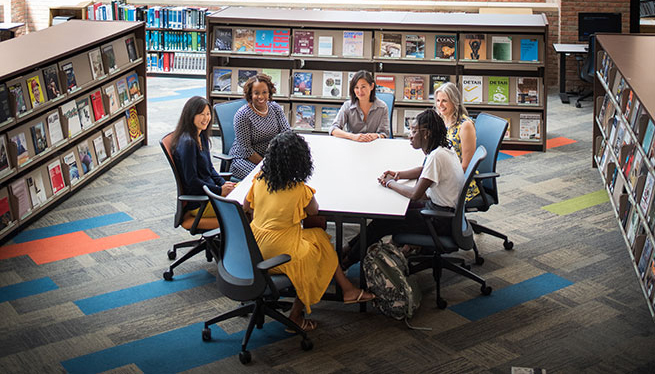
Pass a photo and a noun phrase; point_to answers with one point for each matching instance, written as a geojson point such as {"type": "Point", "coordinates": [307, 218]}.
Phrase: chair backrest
{"type": "Point", "coordinates": [167, 147]}
{"type": "Point", "coordinates": [390, 100]}
{"type": "Point", "coordinates": [489, 132]}
{"type": "Point", "coordinates": [225, 116]}
{"type": "Point", "coordinates": [237, 258]}
{"type": "Point", "coordinates": [587, 69]}
{"type": "Point", "coordinates": [462, 232]}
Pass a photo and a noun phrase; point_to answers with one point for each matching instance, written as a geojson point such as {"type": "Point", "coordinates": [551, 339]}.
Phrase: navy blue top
{"type": "Point", "coordinates": [195, 167]}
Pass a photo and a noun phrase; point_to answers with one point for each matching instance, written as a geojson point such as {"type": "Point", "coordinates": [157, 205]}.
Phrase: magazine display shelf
{"type": "Point", "coordinates": [114, 128]}
{"type": "Point", "coordinates": [624, 151]}
{"type": "Point", "coordinates": [374, 25]}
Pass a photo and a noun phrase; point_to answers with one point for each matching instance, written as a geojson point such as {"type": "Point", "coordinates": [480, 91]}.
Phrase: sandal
{"type": "Point", "coordinates": [359, 298]}
{"type": "Point", "coordinates": [306, 325]}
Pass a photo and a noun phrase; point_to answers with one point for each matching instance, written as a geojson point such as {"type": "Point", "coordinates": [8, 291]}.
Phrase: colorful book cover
{"type": "Point", "coordinates": [39, 138]}
{"type": "Point", "coordinates": [242, 77]}
{"type": "Point", "coordinates": [99, 146]}
{"type": "Point", "coordinates": [71, 83]}
{"type": "Point", "coordinates": [527, 90]}
{"type": "Point", "coordinates": [276, 78]}
{"type": "Point", "coordinates": [73, 170]}
{"type": "Point", "coordinates": [131, 49]}
{"type": "Point", "coordinates": [498, 90]}
{"type": "Point", "coordinates": [409, 118]}
{"type": "Point", "coordinates": [123, 96]}
{"type": "Point", "coordinates": [95, 58]}
{"type": "Point", "coordinates": [501, 48]}
{"type": "Point", "coordinates": [414, 88]}
{"type": "Point", "coordinates": [36, 188]}
{"type": "Point", "coordinates": [529, 50]}
{"type": "Point", "coordinates": [302, 83]}
{"type": "Point", "coordinates": [472, 89]}
{"type": "Point", "coordinates": [446, 47]}
{"type": "Point", "coordinates": [110, 91]}
{"type": "Point", "coordinates": [390, 45]}
{"type": "Point", "coordinates": [303, 42]}
{"type": "Point", "coordinates": [325, 46]}
{"type": "Point", "coordinates": [332, 83]}
{"type": "Point", "coordinates": [244, 40]}
{"type": "Point", "coordinates": [51, 82]}
{"type": "Point", "coordinates": [133, 126]}
{"type": "Point", "coordinates": [109, 58]}
{"type": "Point", "coordinates": [415, 46]}
{"type": "Point", "coordinates": [475, 47]}
{"type": "Point", "coordinates": [353, 44]}
{"type": "Point", "coordinates": [305, 117]}
{"type": "Point", "coordinates": [84, 111]}
{"type": "Point", "coordinates": [97, 105]}
{"type": "Point", "coordinates": [647, 195]}
{"type": "Point", "coordinates": [133, 86]}
{"type": "Point", "coordinates": [109, 134]}
{"type": "Point", "coordinates": [272, 41]}
{"type": "Point", "coordinates": [21, 148]}
{"type": "Point", "coordinates": [4, 156]}
{"type": "Point", "coordinates": [70, 113]}
{"type": "Point", "coordinates": [56, 178]}
{"type": "Point", "coordinates": [19, 98]}
{"type": "Point", "coordinates": [529, 125]}
{"type": "Point", "coordinates": [328, 115]}
{"type": "Point", "coordinates": [436, 81]}
{"type": "Point", "coordinates": [222, 80]}
{"type": "Point", "coordinates": [35, 91]}
{"type": "Point", "coordinates": [385, 83]}
{"type": "Point", "coordinates": [86, 159]}
{"type": "Point", "coordinates": [222, 39]}
{"type": "Point", "coordinates": [5, 213]}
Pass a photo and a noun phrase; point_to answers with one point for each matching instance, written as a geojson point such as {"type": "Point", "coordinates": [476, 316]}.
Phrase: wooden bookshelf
{"type": "Point", "coordinates": [76, 10]}
{"type": "Point", "coordinates": [39, 133]}
{"type": "Point", "coordinates": [624, 151]}
{"type": "Point", "coordinates": [373, 26]}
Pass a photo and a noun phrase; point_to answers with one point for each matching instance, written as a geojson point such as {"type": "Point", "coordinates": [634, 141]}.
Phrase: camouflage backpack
{"type": "Point", "coordinates": [386, 270]}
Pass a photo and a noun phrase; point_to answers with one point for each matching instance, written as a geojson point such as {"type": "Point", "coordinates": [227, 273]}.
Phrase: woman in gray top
{"type": "Point", "coordinates": [363, 118]}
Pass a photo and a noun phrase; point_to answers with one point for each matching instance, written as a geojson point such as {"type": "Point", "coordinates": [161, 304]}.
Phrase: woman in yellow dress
{"type": "Point", "coordinates": [279, 200]}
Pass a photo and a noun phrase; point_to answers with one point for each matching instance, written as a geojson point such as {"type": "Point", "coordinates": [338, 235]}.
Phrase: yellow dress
{"type": "Point", "coordinates": [277, 228]}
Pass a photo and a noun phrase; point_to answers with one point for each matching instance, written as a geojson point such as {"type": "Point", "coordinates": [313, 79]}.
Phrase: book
{"type": "Point", "coordinates": [276, 78]}
{"type": "Point", "coordinates": [390, 45]}
{"type": "Point", "coordinates": [73, 169]}
{"type": "Point", "coordinates": [109, 58]}
{"type": "Point", "coordinates": [353, 44]}
{"type": "Point", "coordinates": [85, 157]}
{"type": "Point", "coordinates": [51, 82]}
{"type": "Point", "coordinates": [498, 90]}
{"type": "Point", "coordinates": [222, 80]}
{"type": "Point", "coordinates": [20, 193]}
{"type": "Point", "coordinates": [16, 91]}
{"type": "Point", "coordinates": [414, 46]}
{"type": "Point", "coordinates": [97, 105]}
{"type": "Point", "coordinates": [272, 41]}
{"type": "Point", "coordinates": [242, 77]}
{"type": "Point", "coordinates": [445, 47]}
{"type": "Point", "coordinates": [508, 132]}
{"type": "Point", "coordinates": [475, 47]}
{"type": "Point", "coordinates": [647, 195]}
{"type": "Point", "coordinates": [123, 96]}
{"type": "Point", "coordinates": [121, 135]}
{"type": "Point", "coordinates": [501, 48]}
{"type": "Point", "coordinates": [84, 112]}
{"type": "Point", "coordinates": [385, 83]}
{"type": "Point", "coordinates": [133, 86]}
{"type": "Point", "coordinates": [22, 156]}
{"type": "Point", "coordinates": [325, 46]}
{"type": "Point", "coordinates": [436, 81]}
{"type": "Point", "coordinates": [529, 125]}
{"type": "Point", "coordinates": [54, 128]}
{"type": "Point", "coordinates": [35, 91]}
{"type": "Point", "coordinates": [71, 83]}
{"type": "Point", "coordinates": [109, 134]}
{"type": "Point", "coordinates": [99, 146]}
{"type": "Point", "coordinates": [471, 89]}
{"type": "Point", "coordinates": [409, 118]}
{"type": "Point", "coordinates": [133, 123]}
{"type": "Point", "coordinates": [328, 115]}
{"type": "Point", "coordinates": [332, 83]}
{"type": "Point", "coordinates": [303, 42]}
{"type": "Point", "coordinates": [70, 113]}
{"type": "Point", "coordinates": [131, 49]}
{"type": "Point", "coordinates": [39, 137]}
{"type": "Point", "coordinates": [95, 58]}
{"type": "Point", "coordinates": [645, 257]}
{"type": "Point", "coordinates": [648, 135]}
{"type": "Point", "coordinates": [5, 213]}
{"type": "Point", "coordinates": [302, 83]}
{"type": "Point", "coordinates": [5, 108]}
{"type": "Point", "coordinates": [529, 50]}
{"type": "Point", "coordinates": [56, 178]}
{"type": "Point", "coordinates": [305, 117]}
{"type": "Point", "coordinates": [244, 40]}
{"type": "Point", "coordinates": [36, 188]}
{"type": "Point", "coordinates": [414, 88]}
{"type": "Point", "coordinates": [222, 39]}
{"type": "Point", "coordinates": [4, 156]}
{"type": "Point", "coordinates": [527, 90]}
{"type": "Point", "coordinates": [112, 97]}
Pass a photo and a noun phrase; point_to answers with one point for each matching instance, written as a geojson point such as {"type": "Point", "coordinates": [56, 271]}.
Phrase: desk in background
{"type": "Point", "coordinates": [563, 50]}
{"type": "Point", "coordinates": [8, 30]}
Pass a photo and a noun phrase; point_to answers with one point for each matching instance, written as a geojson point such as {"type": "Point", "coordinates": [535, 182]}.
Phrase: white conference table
{"type": "Point", "coordinates": [345, 178]}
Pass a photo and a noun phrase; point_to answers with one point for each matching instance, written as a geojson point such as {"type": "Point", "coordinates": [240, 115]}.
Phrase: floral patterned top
{"type": "Point", "coordinates": [456, 143]}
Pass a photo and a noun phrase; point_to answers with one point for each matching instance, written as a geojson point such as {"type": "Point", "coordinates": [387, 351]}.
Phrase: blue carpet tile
{"type": "Point", "coordinates": [24, 289]}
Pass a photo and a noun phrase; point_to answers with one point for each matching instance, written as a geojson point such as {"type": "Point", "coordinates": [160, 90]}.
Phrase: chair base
{"type": "Point", "coordinates": [478, 228]}
{"type": "Point", "coordinates": [583, 95]}
{"type": "Point", "coordinates": [198, 245]}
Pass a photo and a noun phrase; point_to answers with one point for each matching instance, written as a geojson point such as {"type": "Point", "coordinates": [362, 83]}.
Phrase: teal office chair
{"type": "Point", "coordinates": [489, 132]}
{"type": "Point", "coordinates": [435, 248]}
{"type": "Point", "coordinates": [225, 116]}
{"type": "Point", "coordinates": [390, 100]}
{"type": "Point", "coordinates": [243, 274]}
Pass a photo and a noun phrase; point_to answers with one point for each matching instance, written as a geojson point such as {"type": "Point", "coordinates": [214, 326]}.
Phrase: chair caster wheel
{"type": "Point", "coordinates": [441, 303]}
{"type": "Point", "coordinates": [479, 260]}
{"type": "Point", "coordinates": [306, 345]}
{"type": "Point", "coordinates": [578, 105]}
{"type": "Point", "coordinates": [209, 256]}
{"type": "Point", "coordinates": [508, 245]}
{"type": "Point", "coordinates": [171, 254]}
{"type": "Point", "coordinates": [206, 334]}
{"type": "Point", "coordinates": [168, 275]}
{"type": "Point", "coordinates": [245, 357]}
{"type": "Point", "coordinates": [486, 290]}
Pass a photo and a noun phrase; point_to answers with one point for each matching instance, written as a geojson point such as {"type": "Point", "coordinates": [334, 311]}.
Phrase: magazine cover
{"type": "Point", "coordinates": [54, 128]}
{"type": "Point", "coordinates": [303, 42]}
{"type": "Point", "coordinates": [436, 81]}
{"type": "Point", "coordinates": [446, 47]}
{"type": "Point", "coordinates": [472, 89]}
{"type": "Point", "coordinates": [414, 88]}
{"type": "Point", "coordinates": [19, 99]}
{"type": "Point", "coordinates": [35, 91]}
{"type": "Point", "coordinates": [73, 171]}
{"type": "Point", "coordinates": [21, 148]}
{"type": "Point", "coordinates": [70, 76]}
{"type": "Point", "coordinates": [51, 82]}
{"type": "Point", "coordinates": [353, 44]}
{"type": "Point", "coordinates": [222, 39]}
{"type": "Point", "coordinates": [390, 45]}
{"type": "Point", "coordinates": [328, 115]}
{"type": "Point", "coordinates": [498, 90]}
{"type": "Point", "coordinates": [385, 83]}
{"type": "Point", "coordinates": [222, 80]}
{"type": "Point", "coordinates": [131, 49]}
{"type": "Point", "coordinates": [475, 47]}
{"type": "Point", "coordinates": [96, 63]}
{"type": "Point", "coordinates": [305, 115]}
{"type": "Point", "coordinates": [84, 111]}
{"type": "Point", "coordinates": [133, 86]}
{"type": "Point", "coordinates": [244, 40]}
{"type": "Point", "coordinates": [415, 46]}
{"type": "Point", "coordinates": [242, 77]}
{"type": "Point", "coordinates": [109, 57]}
{"type": "Point", "coordinates": [56, 179]}
{"type": "Point", "coordinates": [302, 83]}
{"type": "Point", "coordinates": [272, 41]}
{"type": "Point", "coordinates": [527, 90]}
{"type": "Point", "coordinates": [39, 138]}
{"type": "Point", "coordinates": [332, 83]}
{"type": "Point", "coordinates": [86, 159]}
{"type": "Point", "coordinates": [501, 48]}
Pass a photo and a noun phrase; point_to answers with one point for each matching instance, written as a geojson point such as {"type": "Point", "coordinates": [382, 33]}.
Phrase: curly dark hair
{"type": "Point", "coordinates": [435, 128]}
{"type": "Point", "coordinates": [247, 87]}
{"type": "Point", "coordinates": [288, 161]}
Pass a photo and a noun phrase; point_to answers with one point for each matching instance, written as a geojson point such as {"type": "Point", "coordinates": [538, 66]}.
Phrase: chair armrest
{"type": "Point", "coordinates": [193, 198]}
{"type": "Point", "coordinates": [211, 233]}
{"type": "Point", "coordinates": [223, 156]}
{"type": "Point", "coordinates": [437, 213]}
{"type": "Point", "coordinates": [486, 176]}
{"type": "Point", "coordinates": [273, 262]}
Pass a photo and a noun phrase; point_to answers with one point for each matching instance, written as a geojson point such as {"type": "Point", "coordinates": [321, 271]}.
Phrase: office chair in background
{"type": "Point", "coordinates": [225, 116]}
{"type": "Point", "coordinates": [243, 274]}
{"type": "Point", "coordinates": [390, 100]}
{"type": "Point", "coordinates": [587, 71]}
{"type": "Point", "coordinates": [437, 247]}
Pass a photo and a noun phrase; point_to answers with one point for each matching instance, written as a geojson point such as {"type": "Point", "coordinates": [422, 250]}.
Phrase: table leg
{"type": "Point", "coordinates": [362, 253]}
{"type": "Point", "coordinates": [562, 79]}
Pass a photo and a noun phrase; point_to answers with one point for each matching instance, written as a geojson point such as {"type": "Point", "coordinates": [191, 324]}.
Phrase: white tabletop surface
{"type": "Point", "coordinates": [570, 48]}
{"type": "Point", "coordinates": [345, 175]}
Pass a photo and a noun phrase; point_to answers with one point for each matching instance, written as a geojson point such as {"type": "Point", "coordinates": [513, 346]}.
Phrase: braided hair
{"type": "Point", "coordinates": [435, 128]}
{"type": "Point", "coordinates": [288, 161]}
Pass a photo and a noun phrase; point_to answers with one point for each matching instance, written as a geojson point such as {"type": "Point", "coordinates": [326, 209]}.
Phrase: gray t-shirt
{"type": "Point", "coordinates": [351, 118]}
